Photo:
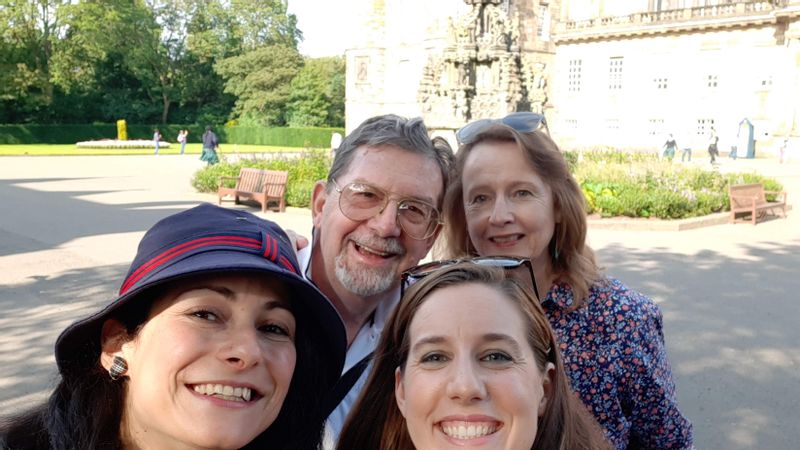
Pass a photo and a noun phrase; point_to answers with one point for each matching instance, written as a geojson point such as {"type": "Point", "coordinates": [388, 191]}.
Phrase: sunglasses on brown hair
{"type": "Point", "coordinates": [523, 122]}
{"type": "Point", "coordinates": [505, 262]}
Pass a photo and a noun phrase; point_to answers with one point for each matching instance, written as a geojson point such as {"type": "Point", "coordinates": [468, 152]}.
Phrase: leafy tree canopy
{"type": "Point", "coordinates": [317, 94]}
{"type": "Point", "coordinates": [148, 61]}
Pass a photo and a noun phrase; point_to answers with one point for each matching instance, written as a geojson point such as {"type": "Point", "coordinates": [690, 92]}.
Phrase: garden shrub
{"type": "Point", "coordinates": [304, 171]}
{"type": "Point", "coordinates": [626, 184]}
{"type": "Point", "coordinates": [619, 185]}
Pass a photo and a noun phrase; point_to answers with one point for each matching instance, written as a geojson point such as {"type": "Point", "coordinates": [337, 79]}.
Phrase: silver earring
{"type": "Point", "coordinates": [118, 368]}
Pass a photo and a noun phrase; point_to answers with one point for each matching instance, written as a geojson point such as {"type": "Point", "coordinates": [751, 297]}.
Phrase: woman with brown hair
{"type": "Point", "coordinates": [512, 194]}
{"type": "Point", "coordinates": [468, 359]}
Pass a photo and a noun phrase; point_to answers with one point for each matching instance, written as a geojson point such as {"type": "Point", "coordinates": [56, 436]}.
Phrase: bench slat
{"type": "Point", "coordinates": [260, 185]}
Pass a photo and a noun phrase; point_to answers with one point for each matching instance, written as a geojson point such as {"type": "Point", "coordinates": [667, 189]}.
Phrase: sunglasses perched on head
{"type": "Point", "coordinates": [523, 122]}
{"type": "Point", "coordinates": [505, 262]}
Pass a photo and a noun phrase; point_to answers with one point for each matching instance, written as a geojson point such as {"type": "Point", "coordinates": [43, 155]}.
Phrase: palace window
{"type": "Point", "coordinates": [660, 83]}
{"type": "Point", "coordinates": [543, 29]}
{"type": "Point", "coordinates": [711, 81]}
{"type": "Point", "coordinates": [574, 75]}
{"type": "Point", "coordinates": [655, 127]}
{"type": "Point", "coordinates": [704, 126]}
{"type": "Point", "coordinates": [572, 125]}
{"type": "Point", "coordinates": [615, 73]}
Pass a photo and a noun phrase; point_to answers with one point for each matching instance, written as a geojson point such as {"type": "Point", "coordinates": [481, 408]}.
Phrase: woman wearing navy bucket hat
{"type": "Point", "coordinates": [215, 341]}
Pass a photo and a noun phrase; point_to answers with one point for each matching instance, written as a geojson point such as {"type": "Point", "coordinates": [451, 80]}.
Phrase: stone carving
{"type": "Point", "coordinates": [535, 82]}
{"type": "Point", "coordinates": [481, 72]}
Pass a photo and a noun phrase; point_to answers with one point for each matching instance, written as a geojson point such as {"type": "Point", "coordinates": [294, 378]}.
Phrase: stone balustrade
{"type": "Point", "coordinates": [646, 22]}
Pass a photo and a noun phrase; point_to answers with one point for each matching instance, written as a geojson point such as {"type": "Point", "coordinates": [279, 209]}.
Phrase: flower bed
{"type": "Point", "coordinates": [113, 143]}
{"type": "Point", "coordinates": [618, 184]}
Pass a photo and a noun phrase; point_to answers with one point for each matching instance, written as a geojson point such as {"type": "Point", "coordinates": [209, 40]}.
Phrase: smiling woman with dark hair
{"type": "Point", "coordinates": [215, 341]}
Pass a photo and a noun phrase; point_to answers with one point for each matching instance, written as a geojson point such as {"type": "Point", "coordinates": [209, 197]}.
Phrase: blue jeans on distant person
{"type": "Point", "coordinates": [183, 146]}
{"type": "Point", "coordinates": [686, 152]}
{"type": "Point", "coordinates": [157, 146]}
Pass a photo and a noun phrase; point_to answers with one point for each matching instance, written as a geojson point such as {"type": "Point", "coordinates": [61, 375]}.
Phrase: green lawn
{"type": "Point", "coordinates": [174, 149]}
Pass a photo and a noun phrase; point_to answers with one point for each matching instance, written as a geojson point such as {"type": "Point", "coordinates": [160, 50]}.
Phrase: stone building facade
{"type": "Point", "coordinates": [620, 73]}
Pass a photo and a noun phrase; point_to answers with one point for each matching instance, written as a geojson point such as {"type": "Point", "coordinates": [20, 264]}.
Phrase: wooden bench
{"type": "Point", "coordinates": [751, 199]}
{"type": "Point", "coordinates": [263, 186]}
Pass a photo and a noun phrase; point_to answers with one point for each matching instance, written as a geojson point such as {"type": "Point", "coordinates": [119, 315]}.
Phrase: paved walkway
{"type": "Point", "coordinates": [69, 227]}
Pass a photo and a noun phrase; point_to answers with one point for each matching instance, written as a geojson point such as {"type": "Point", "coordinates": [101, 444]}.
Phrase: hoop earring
{"type": "Point", "coordinates": [118, 368]}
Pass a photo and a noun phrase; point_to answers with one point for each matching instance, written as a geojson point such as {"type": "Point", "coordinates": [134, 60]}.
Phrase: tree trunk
{"type": "Point", "coordinates": [165, 113]}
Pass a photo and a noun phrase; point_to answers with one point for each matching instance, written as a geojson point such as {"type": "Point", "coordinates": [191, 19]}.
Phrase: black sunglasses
{"type": "Point", "coordinates": [524, 122]}
{"type": "Point", "coordinates": [506, 262]}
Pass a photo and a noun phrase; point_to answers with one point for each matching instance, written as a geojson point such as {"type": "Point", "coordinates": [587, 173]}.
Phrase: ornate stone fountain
{"type": "Point", "coordinates": [481, 71]}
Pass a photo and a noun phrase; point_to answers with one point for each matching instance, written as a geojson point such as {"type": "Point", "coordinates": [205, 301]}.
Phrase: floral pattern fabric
{"type": "Point", "coordinates": [614, 353]}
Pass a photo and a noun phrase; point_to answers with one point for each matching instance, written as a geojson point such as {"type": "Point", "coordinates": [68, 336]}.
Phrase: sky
{"type": "Point", "coordinates": [324, 26]}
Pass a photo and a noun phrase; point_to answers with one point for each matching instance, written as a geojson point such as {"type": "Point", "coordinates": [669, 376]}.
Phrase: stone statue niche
{"type": "Point", "coordinates": [481, 72]}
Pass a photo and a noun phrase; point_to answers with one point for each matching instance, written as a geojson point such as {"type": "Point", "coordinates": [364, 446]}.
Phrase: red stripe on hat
{"type": "Point", "coordinates": [178, 250]}
{"type": "Point", "coordinates": [245, 240]}
{"type": "Point", "coordinates": [268, 250]}
{"type": "Point", "coordinates": [286, 263]}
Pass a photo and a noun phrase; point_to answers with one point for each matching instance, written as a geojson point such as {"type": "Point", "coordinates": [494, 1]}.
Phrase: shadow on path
{"type": "Point", "coordinates": [34, 314]}
{"type": "Point", "coordinates": [60, 216]}
{"type": "Point", "coordinates": [731, 326]}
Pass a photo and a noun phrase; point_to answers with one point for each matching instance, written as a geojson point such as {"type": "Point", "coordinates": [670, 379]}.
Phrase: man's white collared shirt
{"type": "Point", "coordinates": [365, 342]}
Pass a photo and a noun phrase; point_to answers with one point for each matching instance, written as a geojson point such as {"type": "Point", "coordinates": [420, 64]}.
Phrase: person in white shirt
{"type": "Point", "coordinates": [376, 215]}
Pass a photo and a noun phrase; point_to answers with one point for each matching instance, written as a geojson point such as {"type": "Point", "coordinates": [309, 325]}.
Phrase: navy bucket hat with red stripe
{"type": "Point", "coordinates": [209, 240]}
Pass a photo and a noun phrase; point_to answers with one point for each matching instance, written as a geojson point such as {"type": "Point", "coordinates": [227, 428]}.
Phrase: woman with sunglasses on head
{"type": "Point", "coordinates": [215, 342]}
{"type": "Point", "coordinates": [468, 359]}
{"type": "Point", "coordinates": [512, 194]}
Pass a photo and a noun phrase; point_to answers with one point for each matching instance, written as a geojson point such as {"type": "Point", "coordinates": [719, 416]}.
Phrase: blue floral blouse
{"type": "Point", "coordinates": [614, 353]}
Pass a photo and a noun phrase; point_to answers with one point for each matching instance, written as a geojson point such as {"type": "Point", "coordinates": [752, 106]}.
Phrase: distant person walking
{"type": "Point", "coordinates": [182, 139]}
{"type": "Point", "coordinates": [782, 150]}
{"type": "Point", "coordinates": [210, 147]}
{"type": "Point", "coordinates": [670, 147]}
{"type": "Point", "coordinates": [687, 151]}
{"type": "Point", "coordinates": [157, 139]}
{"type": "Point", "coordinates": [713, 151]}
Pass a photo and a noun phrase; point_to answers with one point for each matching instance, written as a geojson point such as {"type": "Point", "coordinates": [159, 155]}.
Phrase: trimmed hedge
{"type": "Point", "coordinates": [70, 134]}
{"type": "Point", "coordinates": [56, 134]}
{"type": "Point", "coordinates": [288, 137]}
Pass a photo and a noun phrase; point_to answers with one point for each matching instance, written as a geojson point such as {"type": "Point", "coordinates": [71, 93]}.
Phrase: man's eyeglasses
{"type": "Point", "coordinates": [506, 262]}
{"type": "Point", "coordinates": [361, 201]}
{"type": "Point", "coordinates": [524, 122]}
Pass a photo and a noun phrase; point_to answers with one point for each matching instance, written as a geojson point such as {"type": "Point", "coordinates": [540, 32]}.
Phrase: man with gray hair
{"type": "Point", "coordinates": [376, 215]}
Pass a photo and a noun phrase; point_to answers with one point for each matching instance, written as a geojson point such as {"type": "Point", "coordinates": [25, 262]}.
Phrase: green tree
{"type": "Point", "coordinates": [146, 60]}
{"type": "Point", "coordinates": [148, 38]}
{"type": "Point", "coordinates": [260, 80]}
{"type": "Point", "coordinates": [261, 60]}
{"type": "Point", "coordinates": [317, 94]}
{"type": "Point", "coordinates": [27, 32]}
